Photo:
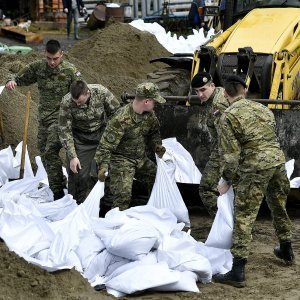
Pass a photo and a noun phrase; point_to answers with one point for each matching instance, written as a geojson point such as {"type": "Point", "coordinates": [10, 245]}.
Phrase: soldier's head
{"type": "Point", "coordinates": [54, 53]}
{"type": "Point", "coordinates": [80, 92]}
{"type": "Point", "coordinates": [146, 96]}
{"type": "Point", "coordinates": [203, 85]}
{"type": "Point", "coordinates": [234, 87]}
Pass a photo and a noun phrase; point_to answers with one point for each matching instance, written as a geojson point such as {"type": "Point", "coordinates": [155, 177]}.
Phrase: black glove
{"type": "Point", "coordinates": [160, 150]}
{"type": "Point", "coordinates": [102, 174]}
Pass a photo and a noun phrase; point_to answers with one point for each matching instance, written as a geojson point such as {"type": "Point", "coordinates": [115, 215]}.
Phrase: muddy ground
{"type": "Point", "coordinates": [117, 57]}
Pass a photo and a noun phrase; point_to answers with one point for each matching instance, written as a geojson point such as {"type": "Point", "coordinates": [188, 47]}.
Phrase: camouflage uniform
{"type": "Point", "coordinates": [254, 163]}
{"type": "Point", "coordinates": [80, 130]}
{"type": "Point", "coordinates": [53, 84]}
{"type": "Point", "coordinates": [123, 148]}
{"type": "Point", "coordinates": [208, 191]}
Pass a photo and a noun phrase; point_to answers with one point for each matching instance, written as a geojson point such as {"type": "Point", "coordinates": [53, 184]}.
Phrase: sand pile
{"type": "Point", "coordinates": [116, 56]}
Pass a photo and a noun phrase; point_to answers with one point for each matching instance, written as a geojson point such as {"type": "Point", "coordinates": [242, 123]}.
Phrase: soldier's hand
{"type": "Point", "coordinates": [10, 85]}
{"type": "Point", "coordinates": [223, 188]}
{"type": "Point", "coordinates": [75, 165]}
{"type": "Point", "coordinates": [102, 173]}
{"type": "Point", "coordinates": [160, 150]}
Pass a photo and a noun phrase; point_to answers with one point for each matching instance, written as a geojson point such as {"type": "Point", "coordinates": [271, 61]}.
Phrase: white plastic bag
{"type": "Point", "coordinates": [220, 235]}
{"type": "Point", "coordinates": [133, 240]}
{"type": "Point", "coordinates": [186, 171]}
{"type": "Point", "coordinates": [165, 193]}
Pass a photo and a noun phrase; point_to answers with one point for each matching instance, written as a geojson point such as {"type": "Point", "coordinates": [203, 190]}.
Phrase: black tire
{"type": "Point", "coordinates": [171, 81]}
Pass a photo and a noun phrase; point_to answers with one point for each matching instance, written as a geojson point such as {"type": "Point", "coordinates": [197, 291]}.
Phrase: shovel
{"type": "Point", "coordinates": [26, 122]}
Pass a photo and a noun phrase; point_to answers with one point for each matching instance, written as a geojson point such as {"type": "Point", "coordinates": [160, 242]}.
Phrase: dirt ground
{"type": "Point", "coordinates": [117, 57]}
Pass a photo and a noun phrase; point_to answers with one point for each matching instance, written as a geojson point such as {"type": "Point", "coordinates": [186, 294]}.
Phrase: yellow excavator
{"type": "Point", "coordinates": [262, 45]}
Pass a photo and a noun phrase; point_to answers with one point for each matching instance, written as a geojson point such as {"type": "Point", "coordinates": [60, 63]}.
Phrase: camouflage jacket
{"type": "Point", "coordinates": [87, 118]}
{"type": "Point", "coordinates": [127, 134]}
{"type": "Point", "coordinates": [248, 140]}
{"type": "Point", "coordinates": [214, 107]}
{"type": "Point", "coordinates": [53, 84]}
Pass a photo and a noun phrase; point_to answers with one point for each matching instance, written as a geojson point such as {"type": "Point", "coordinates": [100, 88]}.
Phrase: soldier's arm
{"type": "Point", "coordinates": [229, 148]}
{"type": "Point", "coordinates": [75, 73]}
{"type": "Point", "coordinates": [109, 141]}
{"type": "Point", "coordinates": [111, 104]}
{"type": "Point", "coordinates": [65, 128]}
{"type": "Point", "coordinates": [27, 76]}
{"type": "Point", "coordinates": [154, 138]}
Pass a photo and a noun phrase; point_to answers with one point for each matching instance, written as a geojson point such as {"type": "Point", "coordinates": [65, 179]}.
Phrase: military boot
{"type": "Point", "coordinates": [235, 277]}
{"type": "Point", "coordinates": [285, 251]}
{"type": "Point", "coordinates": [68, 32]}
{"type": "Point", "coordinates": [76, 30]}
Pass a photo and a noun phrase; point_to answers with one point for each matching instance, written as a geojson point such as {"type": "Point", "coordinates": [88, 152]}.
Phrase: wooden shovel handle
{"type": "Point", "coordinates": [26, 122]}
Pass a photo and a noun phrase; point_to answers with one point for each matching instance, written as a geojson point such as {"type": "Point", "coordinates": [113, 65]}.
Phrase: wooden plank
{"type": "Point", "coordinates": [22, 35]}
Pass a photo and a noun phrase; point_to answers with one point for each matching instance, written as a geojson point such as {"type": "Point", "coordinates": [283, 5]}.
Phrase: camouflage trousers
{"type": "Point", "coordinates": [122, 172]}
{"type": "Point", "coordinates": [208, 185]}
{"type": "Point", "coordinates": [49, 146]}
{"type": "Point", "coordinates": [80, 184]}
{"type": "Point", "coordinates": [249, 193]}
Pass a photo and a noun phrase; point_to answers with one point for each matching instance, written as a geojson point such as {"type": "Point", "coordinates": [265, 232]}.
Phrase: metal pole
{"type": "Point", "coordinates": [194, 100]}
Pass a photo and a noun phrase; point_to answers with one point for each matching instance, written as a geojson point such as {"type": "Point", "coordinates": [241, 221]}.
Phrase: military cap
{"type": "Point", "coordinates": [149, 90]}
{"type": "Point", "coordinates": [236, 79]}
{"type": "Point", "coordinates": [201, 79]}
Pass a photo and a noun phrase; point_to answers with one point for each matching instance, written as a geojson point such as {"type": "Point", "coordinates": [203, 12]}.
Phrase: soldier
{"type": "Point", "coordinates": [254, 163]}
{"type": "Point", "coordinates": [72, 9]}
{"type": "Point", "coordinates": [214, 102]}
{"type": "Point", "coordinates": [53, 77]}
{"type": "Point", "coordinates": [82, 118]}
{"type": "Point", "coordinates": [122, 148]}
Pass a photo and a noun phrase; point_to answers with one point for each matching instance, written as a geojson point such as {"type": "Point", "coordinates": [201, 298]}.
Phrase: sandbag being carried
{"type": "Point", "coordinates": [165, 193]}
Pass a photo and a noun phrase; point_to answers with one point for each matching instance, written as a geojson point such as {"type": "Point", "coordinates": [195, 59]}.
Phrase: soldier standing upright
{"type": "Point", "coordinates": [82, 119]}
{"type": "Point", "coordinates": [122, 148]}
{"type": "Point", "coordinates": [72, 9]}
{"type": "Point", "coordinates": [214, 103]}
{"type": "Point", "coordinates": [53, 77]}
{"type": "Point", "coordinates": [255, 165]}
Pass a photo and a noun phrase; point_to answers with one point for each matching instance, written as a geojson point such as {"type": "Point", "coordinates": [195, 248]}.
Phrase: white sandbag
{"type": "Point", "coordinates": [220, 235]}
{"type": "Point", "coordinates": [295, 182]}
{"type": "Point", "coordinates": [165, 193]}
{"type": "Point", "coordinates": [23, 231]}
{"type": "Point", "coordinates": [17, 162]}
{"type": "Point", "coordinates": [220, 259]}
{"type": "Point", "coordinates": [181, 255]}
{"type": "Point", "coordinates": [57, 210]}
{"type": "Point", "coordinates": [6, 165]}
{"type": "Point", "coordinates": [92, 202]}
{"type": "Point", "coordinates": [289, 166]}
{"type": "Point", "coordinates": [142, 277]}
{"type": "Point", "coordinates": [104, 263]}
{"type": "Point", "coordinates": [186, 171]}
{"type": "Point", "coordinates": [133, 240]}
{"type": "Point", "coordinates": [68, 233]}
{"type": "Point", "coordinates": [41, 173]}
{"type": "Point", "coordinates": [89, 247]}
{"type": "Point", "coordinates": [186, 283]}
{"type": "Point", "coordinates": [42, 195]}
{"type": "Point", "coordinates": [161, 218]}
